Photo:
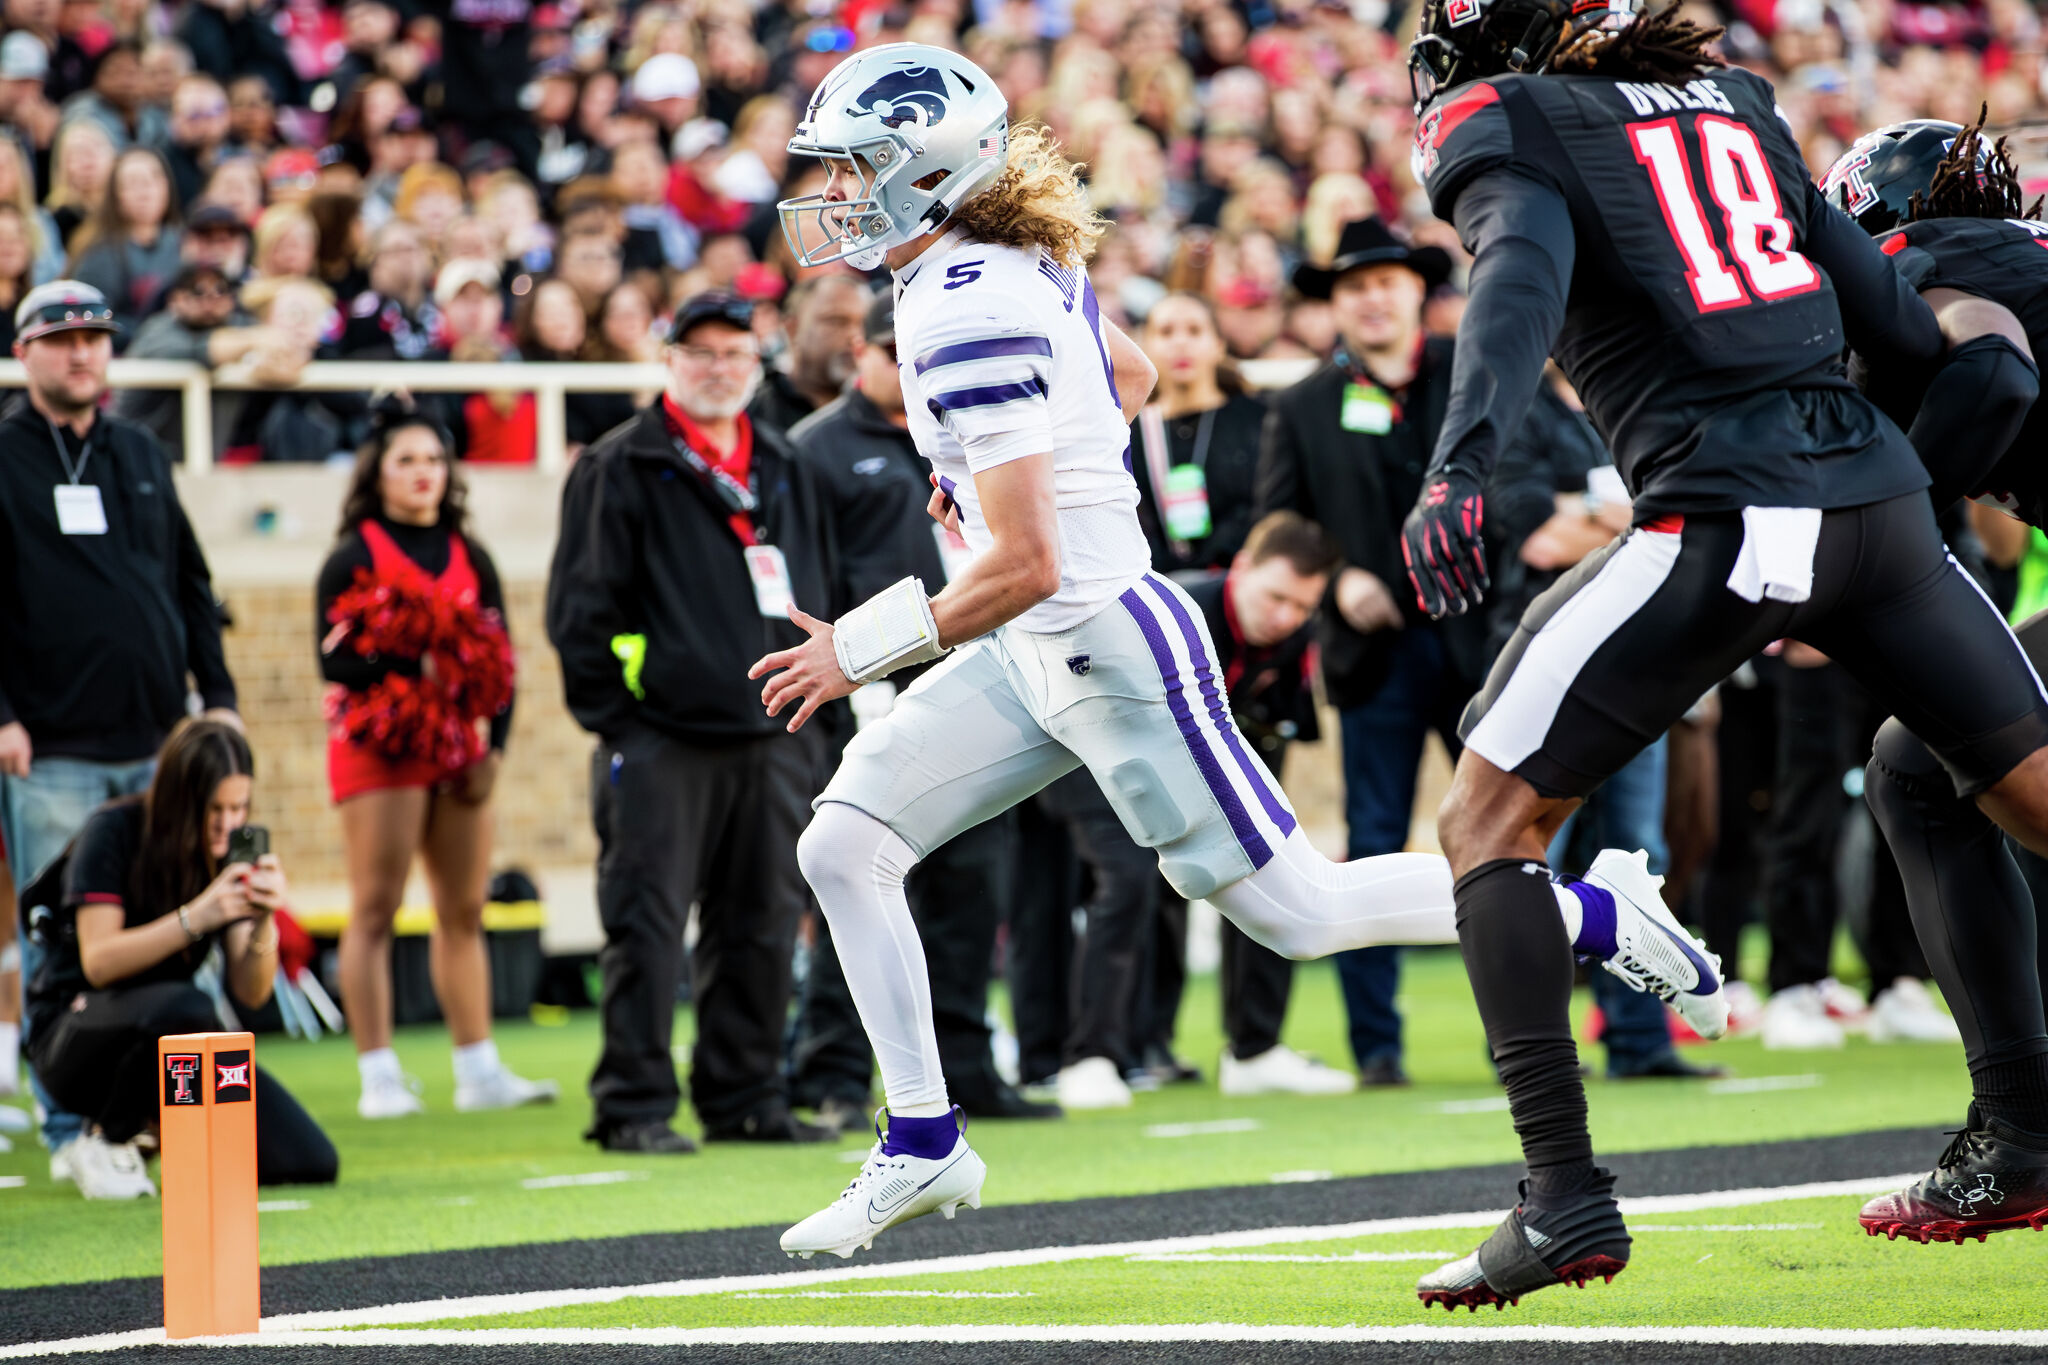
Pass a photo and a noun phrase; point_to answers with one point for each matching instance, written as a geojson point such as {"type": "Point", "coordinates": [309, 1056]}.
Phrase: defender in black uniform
{"type": "Point", "coordinates": [1644, 216]}
{"type": "Point", "coordinates": [1970, 905]}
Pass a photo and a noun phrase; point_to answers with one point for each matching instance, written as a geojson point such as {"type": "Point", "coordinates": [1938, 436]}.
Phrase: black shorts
{"type": "Point", "coordinates": [1618, 649]}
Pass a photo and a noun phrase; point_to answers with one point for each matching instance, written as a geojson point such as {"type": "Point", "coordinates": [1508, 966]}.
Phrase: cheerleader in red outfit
{"type": "Point", "coordinates": [405, 791]}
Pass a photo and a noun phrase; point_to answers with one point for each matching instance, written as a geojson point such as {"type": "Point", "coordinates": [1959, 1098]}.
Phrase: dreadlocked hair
{"type": "Point", "coordinates": [1663, 47]}
{"type": "Point", "coordinates": [1958, 190]}
{"type": "Point", "coordinates": [1038, 200]}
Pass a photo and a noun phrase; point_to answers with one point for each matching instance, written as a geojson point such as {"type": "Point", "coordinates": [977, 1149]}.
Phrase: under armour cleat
{"type": "Point", "coordinates": [1992, 1178]}
{"type": "Point", "coordinates": [1653, 951]}
{"type": "Point", "coordinates": [1535, 1248]}
{"type": "Point", "coordinates": [890, 1189]}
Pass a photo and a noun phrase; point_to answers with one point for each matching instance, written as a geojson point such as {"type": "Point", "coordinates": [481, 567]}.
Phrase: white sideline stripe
{"type": "Point", "coordinates": [1724, 1227]}
{"type": "Point", "coordinates": [1299, 1177]}
{"type": "Point", "coordinates": [1494, 1104]}
{"type": "Point", "coordinates": [534, 1301]}
{"type": "Point", "coordinates": [1354, 1258]}
{"type": "Point", "coordinates": [563, 1182]}
{"type": "Point", "coordinates": [1203, 1129]}
{"type": "Point", "coordinates": [12, 1182]}
{"type": "Point", "coordinates": [1867, 1338]}
{"type": "Point", "coordinates": [895, 1294]}
{"type": "Point", "coordinates": [1750, 1085]}
{"type": "Point", "coordinates": [282, 1205]}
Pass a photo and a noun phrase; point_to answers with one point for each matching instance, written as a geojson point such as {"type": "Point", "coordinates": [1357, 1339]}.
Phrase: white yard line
{"type": "Point", "coordinates": [563, 1182]}
{"type": "Point", "coordinates": [1203, 1129]}
{"type": "Point", "coordinates": [1353, 1258]}
{"type": "Point", "coordinates": [1753, 1085]}
{"type": "Point", "coordinates": [492, 1305]}
{"type": "Point", "coordinates": [1854, 1337]}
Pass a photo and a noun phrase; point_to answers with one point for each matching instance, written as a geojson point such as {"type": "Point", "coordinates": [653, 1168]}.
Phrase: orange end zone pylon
{"type": "Point", "coordinates": [207, 1170]}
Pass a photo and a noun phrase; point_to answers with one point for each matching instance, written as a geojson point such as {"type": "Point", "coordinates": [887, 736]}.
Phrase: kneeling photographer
{"type": "Point", "coordinates": [126, 917]}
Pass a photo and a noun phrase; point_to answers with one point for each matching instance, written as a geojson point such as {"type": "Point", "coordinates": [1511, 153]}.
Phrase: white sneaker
{"type": "Point", "coordinates": [60, 1163]}
{"type": "Point", "coordinates": [1280, 1070]}
{"type": "Point", "coordinates": [504, 1090]}
{"type": "Point", "coordinates": [1092, 1084]}
{"type": "Point", "coordinates": [108, 1170]}
{"type": "Point", "coordinates": [1905, 1013]}
{"type": "Point", "coordinates": [1843, 1005]}
{"type": "Point", "coordinates": [889, 1190]}
{"type": "Point", "coordinates": [391, 1097]}
{"type": "Point", "coordinates": [1653, 951]}
{"type": "Point", "coordinates": [1796, 1020]}
{"type": "Point", "coordinates": [1745, 1011]}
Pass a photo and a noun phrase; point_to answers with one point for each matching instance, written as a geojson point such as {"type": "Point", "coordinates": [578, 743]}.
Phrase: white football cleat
{"type": "Point", "coordinates": [1092, 1083]}
{"type": "Point", "coordinates": [889, 1190]}
{"type": "Point", "coordinates": [504, 1089]}
{"type": "Point", "coordinates": [1905, 1013]}
{"type": "Point", "coordinates": [1653, 951]}
{"type": "Point", "coordinates": [390, 1097]}
{"type": "Point", "coordinates": [1280, 1070]}
{"type": "Point", "coordinates": [108, 1170]}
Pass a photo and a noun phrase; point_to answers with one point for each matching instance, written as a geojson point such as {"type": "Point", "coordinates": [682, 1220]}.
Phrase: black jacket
{"type": "Point", "coordinates": [646, 549]}
{"type": "Point", "coordinates": [1271, 695]}
{"type": "Point", "coordinates": [779, 403]}
{"type": "Point", "coordinates": [876, 485]}
{"type": "Point", "coordinates": [1360, 486]}
{"type": "Point", "coordinates": [1230, 466]}
{"type": "Point", "coordinates": [98, 632]}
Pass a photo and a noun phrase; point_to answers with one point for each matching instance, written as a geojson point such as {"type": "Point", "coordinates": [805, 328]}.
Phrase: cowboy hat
{"type": "Point", "coordinates": [1367, 241]}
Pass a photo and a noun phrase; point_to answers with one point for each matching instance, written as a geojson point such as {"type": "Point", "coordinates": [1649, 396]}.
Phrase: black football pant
{"type": "Point", "coordinates": [957, 897]}
{"type": "Point", "coordinates": [1974, 914]}
{"type": "Point", "coordinates": [99, 1060]}
{"type": "Point", "coordinates": [715, 824]}
{"type": "Point", "coordinates": [1651, 624]}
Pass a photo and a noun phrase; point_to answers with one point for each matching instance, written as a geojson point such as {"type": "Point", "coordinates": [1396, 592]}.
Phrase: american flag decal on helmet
{"type": "Point", "coordinates": [991, 145]}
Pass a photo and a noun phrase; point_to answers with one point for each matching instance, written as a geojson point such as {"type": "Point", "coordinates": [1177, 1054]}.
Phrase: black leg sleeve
{"type": "Point", "coordinates": [291, 1149]}
{"type": "Point", "coordinates": [1520, 964]}
{"type": "Point", "coordinates": [1975, 919]}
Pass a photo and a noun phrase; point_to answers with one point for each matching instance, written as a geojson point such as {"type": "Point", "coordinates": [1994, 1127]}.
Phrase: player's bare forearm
{"type": "Point", "coordinates": [1134, 371]}
{"type": "Point", "coordinates": [1022, 568]}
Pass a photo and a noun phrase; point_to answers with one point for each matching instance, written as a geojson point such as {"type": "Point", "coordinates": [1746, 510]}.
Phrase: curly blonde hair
{"type": "Point", "coordinates": [1038, 200]}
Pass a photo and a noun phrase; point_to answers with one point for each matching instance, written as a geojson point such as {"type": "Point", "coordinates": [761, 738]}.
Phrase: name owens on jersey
{"type": "Point", "coordinates": [1003, 355]}
{"type": "Point", "coordinates": [1697, 330]}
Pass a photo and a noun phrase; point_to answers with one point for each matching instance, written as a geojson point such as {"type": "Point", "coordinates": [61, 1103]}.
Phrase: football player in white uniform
{"type": "Point", "coordinates": [1066, 650]}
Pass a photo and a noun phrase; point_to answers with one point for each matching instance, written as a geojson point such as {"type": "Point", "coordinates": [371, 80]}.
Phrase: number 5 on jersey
{"type": "Point", "coordinates": [1752, 228]}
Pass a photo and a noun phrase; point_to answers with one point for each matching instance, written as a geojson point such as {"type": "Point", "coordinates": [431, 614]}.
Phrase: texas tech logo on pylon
{"type": "Point", "coordinates": [231, 1083]}
{"type": "Point", "coordinates": [181, 1072]}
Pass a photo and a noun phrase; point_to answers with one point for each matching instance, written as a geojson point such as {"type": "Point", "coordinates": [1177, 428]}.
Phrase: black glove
{"type": "Point", "coordinates": [1444, 546]}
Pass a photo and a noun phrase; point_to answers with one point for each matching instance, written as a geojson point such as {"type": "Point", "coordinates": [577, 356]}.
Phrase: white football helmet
{"type": "Point", "coordinates": [917, 128]}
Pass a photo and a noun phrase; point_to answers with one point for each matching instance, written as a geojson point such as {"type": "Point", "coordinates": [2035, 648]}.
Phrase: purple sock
{"type": "Point", "coordinates": [1596, 920]}
{"type": "Point", "coordinates": [927, 1138]}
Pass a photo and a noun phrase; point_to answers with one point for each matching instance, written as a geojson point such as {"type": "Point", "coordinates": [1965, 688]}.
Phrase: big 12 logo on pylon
{"type": "Point", "coordinates": [181, 1078]}
{"type": "Point", "coordinates": [232, 1082]}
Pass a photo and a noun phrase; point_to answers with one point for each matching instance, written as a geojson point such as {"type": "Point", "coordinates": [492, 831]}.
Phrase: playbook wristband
{"type": "Point", "coordinates": [893, 628]}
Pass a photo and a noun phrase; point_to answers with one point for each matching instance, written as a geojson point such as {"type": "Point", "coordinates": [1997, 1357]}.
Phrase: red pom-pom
{"type": "Point", "coordinates": [404, 718]}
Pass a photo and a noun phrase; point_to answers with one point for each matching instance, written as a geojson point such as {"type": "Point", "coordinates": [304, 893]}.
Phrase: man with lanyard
{"type": "Point", "coordinates": [1346, 448]}
{"type": "Point", "coordinates": [106, 603]}
{"type": "Point", "coordinates": [684, 535]}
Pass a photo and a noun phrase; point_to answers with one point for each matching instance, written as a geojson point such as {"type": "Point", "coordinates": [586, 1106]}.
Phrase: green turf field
{"type": "Point", "coordinates": [445, 1181]}
{"type": "Point", "coordinates": [1800, 1263]}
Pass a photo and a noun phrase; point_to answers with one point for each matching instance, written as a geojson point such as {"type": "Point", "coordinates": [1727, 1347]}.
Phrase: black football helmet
{"type": "Point", "coordinates": [1466, 40]}
{"type": "Point", "coordinates": [1875, 180]}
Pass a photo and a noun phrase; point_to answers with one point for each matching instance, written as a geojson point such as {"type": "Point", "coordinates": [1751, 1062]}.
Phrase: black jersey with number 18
{"type": "Point", "coordinates": [1704, 325]}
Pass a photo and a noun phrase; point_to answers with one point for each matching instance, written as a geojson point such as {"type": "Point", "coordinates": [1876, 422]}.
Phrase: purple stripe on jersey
{"type": "Point", "coordinates": [987, 349]}
{"type": "Point", "coordinates": [1219, 714]}
{"type": "Point", "coordinates": [985, 396]}
{"type": "Point", "coordinates": [1248, 836]}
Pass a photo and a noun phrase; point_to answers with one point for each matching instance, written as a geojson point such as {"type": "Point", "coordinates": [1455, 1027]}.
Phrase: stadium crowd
{"type": "Point", "coordinates": [258, 186]}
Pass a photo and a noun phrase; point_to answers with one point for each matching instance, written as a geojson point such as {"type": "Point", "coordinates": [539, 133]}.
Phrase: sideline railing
{"type": "Point", "coordinates": [548, 381]}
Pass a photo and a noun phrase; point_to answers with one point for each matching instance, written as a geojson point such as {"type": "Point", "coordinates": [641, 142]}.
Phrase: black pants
{"type": "Point", "coordinates": [1119, 922]}
{"type": "Point", "coordinates": [1256, 984]}
{"type": "Point", "coordinates": [99, 1060]}
{"type": "Point", "coordinates": [1039, 947]}
{"type": "Point", "coordinates": [679, 822]}
{"type": "Point", "coordinates": [957, 897]}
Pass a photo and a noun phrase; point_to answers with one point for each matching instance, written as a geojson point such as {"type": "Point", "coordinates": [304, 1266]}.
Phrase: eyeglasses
{"type": "Point", "coordinates": [706, 357]}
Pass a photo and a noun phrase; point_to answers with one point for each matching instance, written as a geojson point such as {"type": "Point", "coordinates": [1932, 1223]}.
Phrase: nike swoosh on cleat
{"type": "Point", "coordinates": [899, 1203]}
{"type": "Point", "coordinates": [1703, 973]}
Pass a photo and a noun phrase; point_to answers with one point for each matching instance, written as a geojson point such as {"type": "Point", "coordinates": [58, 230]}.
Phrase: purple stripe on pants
{"type": "Point", "coordinates": [1219, 714]}
{"type": "Point", "coordinates": [1248, 836]}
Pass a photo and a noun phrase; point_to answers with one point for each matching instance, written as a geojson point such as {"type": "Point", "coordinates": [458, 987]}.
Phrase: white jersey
{"type": "Point", "coordinates": [1003, 356]}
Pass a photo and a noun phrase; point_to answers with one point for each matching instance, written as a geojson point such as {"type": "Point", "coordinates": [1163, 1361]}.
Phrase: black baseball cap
{"type": "Point", "coordinates": [713, 305]}
{"type": "Point", "coordinates": [215, 218]}
{"type": "Point", "coordinates": [879, 329]}
{"type": "Point", "coordinates": [192, 273]}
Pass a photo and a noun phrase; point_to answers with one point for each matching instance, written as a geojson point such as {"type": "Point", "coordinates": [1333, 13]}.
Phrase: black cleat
{"type": "Point", "coordinates": [649, 1137]}
{"type": "Point", "coordinates": [1992, 1178]}
{"type": "Point", "coordinates": [1536, 1248]}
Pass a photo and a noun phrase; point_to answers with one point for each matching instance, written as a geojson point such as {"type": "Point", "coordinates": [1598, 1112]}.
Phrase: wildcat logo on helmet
{"type": "Point", "coordinates": [916, 96]}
